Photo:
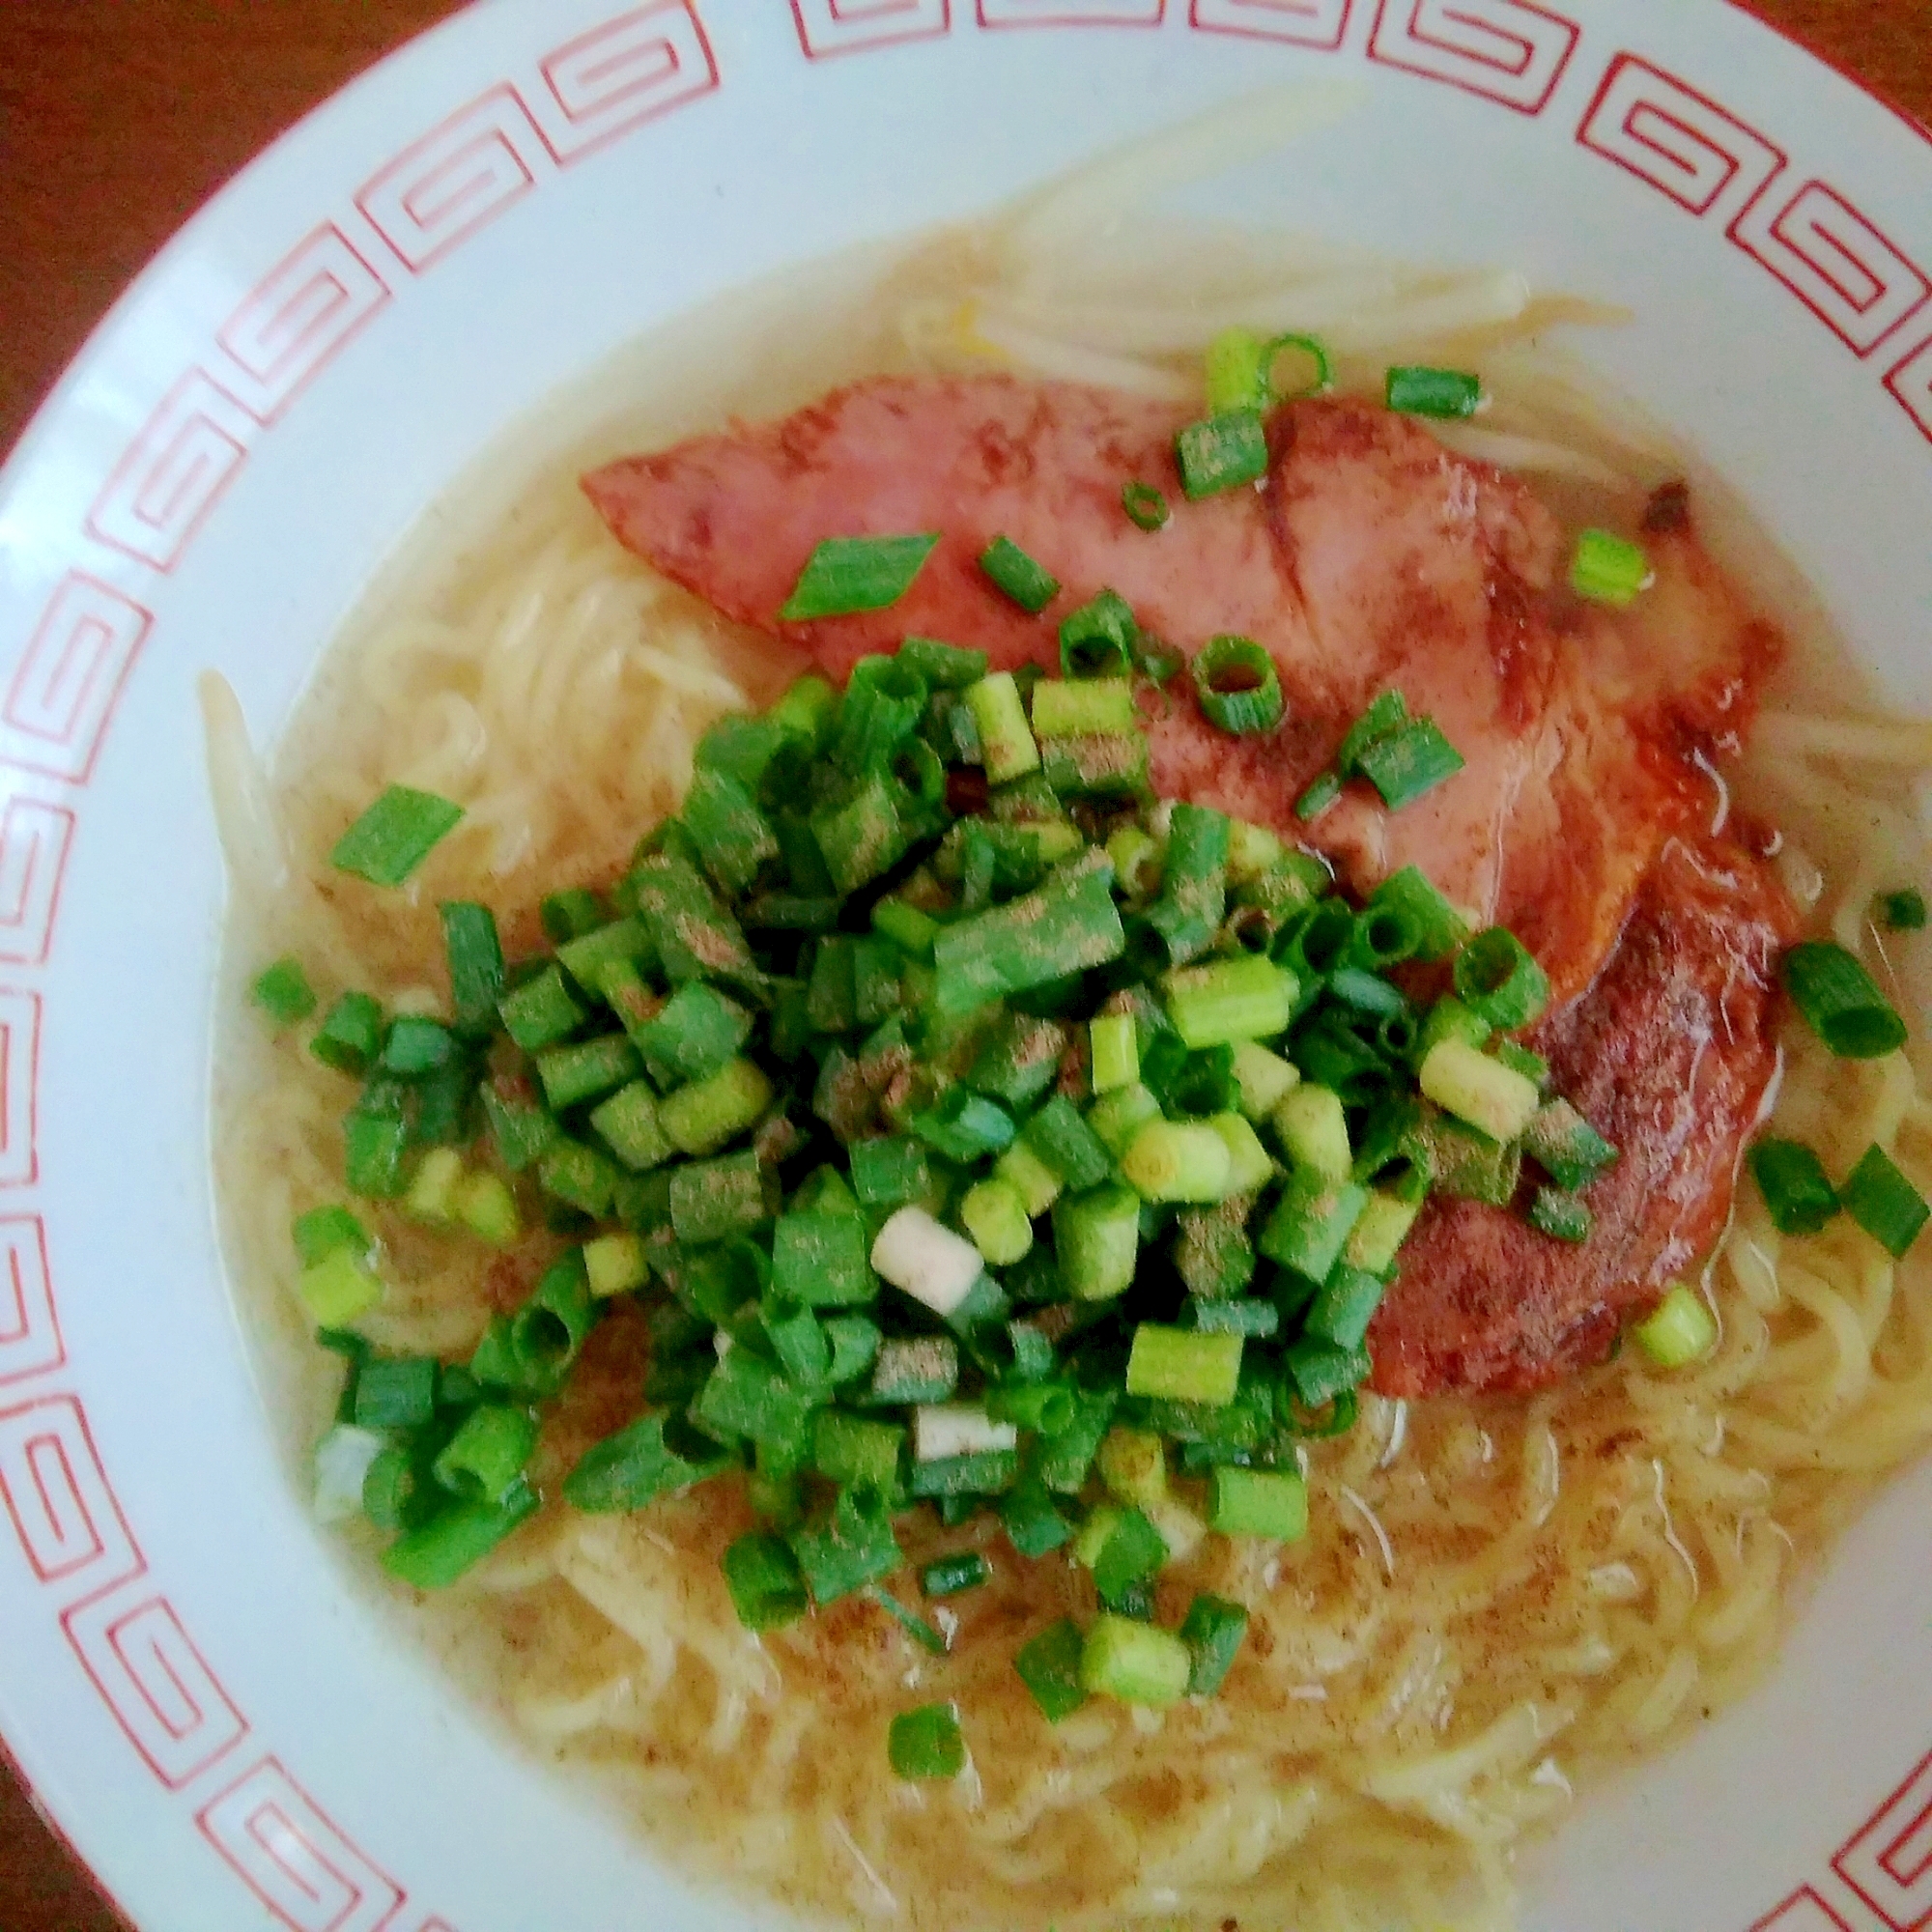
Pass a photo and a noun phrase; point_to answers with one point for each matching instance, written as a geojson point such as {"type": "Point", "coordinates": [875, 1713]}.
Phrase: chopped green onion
{"type": "Point", "coordinates": [1841, 1002]}
{"type": "Point", "coordinates": [283, 992]}
{"type": "Point", "coordinates": [1561, 1216]}
{"type": "Point", "coordinates": [995, 1215]}
{"type": "Point", "coordinates": [1796, 1192]}
{"type": "Point", "coordinates": [1319, 796]}
{"type": "Point", "coordinates": [1097, 1239]}
{"type": "Point", "coordinates": [1006, 737]}
{"type": "Point", "coordinates": [1135, 1662]}
{"type": "Point", "coordinates": [1313, 1130]}
{"type": "Point", "coordinates": [1411, 762]}
{"type": "Point", "coordinates": [1097, 640]}
{"type": "Point", "coordinates": [844, 575]}
{"type": "Point", "coordinates": [1146, 507]}
{"type": "Point", "coordinates": [1178, 1161]}
{"type": "Point", "coordinates": [1446, 393]}
{"type": "Point", "coordinates": [1115, 1052]}
{"type": "Point", "coordinates": [1212, 1632]}
{"type": "Point", "coordinates": [948, 1575]}
{"type": "Point", "coordinates": [1886, 1204]}
{"type": "Point", "coordinates": [1181, 1365]}
{"type": "Point", "coordinates": [767, 1590]}
{"type": "Point", "coordinates": [1496, 979]}
{"type": "Point", "coordinates": [1064, 927]}
{"type": "Point", "coordinates": [1259, 1502]}
{"type": "Point", "coordinates": [1483, 1092]}
{"type": "Point", "coordinates": [713, 1200]}
{"type": "Point", "coordinates": [1566, 1147]}
{"type": "Point", "coordinates": [1049, 1666]}
{"type": "Point", "coordinates": [1030, 585]}
{"type": "Point", "coordinates": [1231, 1000]}
{"type": "Point", "coordinates": [446, 1549]}
{"type": "Point", "coordinates": [394, 836]}
{"type": "Point", "coordinates": [1237, 686]}
{"type": "Point", "coordinates": [1222, 453]}
{"type": "Point", "coordinates": [1065, 708]}
{"type": "Point", "coordinates": [1901, 912]}
{"type": "Point", "coordinates": [350, 1034]}
{"type": "Point", "coordinates": [1681, 1330]}
{"type": "Point", "coordinates": [1311, 1224]}
{"type": "Point", "coordinates": [1265, 1079]}
{"type": "Point", "coordinates": [1438, 925]}
{"type": "Point", "coordinates": [1609, 569]}
{"type": "Point", "coordinates": [487, 1454]}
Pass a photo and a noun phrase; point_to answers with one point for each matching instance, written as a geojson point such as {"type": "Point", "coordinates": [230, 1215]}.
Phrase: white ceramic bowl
{"type": "Point", "coordinates": [222, 1730]}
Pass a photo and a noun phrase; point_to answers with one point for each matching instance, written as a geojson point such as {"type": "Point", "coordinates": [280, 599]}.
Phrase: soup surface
{"type": "Point", "coordinates": [1499, 1597]}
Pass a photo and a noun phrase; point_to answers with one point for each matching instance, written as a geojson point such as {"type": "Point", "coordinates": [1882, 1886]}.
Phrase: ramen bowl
{"type": "Point", "coordinates": [229, 1733]}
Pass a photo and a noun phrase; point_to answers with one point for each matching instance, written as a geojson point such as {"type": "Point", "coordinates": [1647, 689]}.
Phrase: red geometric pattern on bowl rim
{"type": "Point", "coordinates": [436, 194]}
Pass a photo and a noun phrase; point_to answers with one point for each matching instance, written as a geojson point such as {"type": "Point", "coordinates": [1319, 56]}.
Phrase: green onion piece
{"type": "Point", "coordinates": [541, 1011]}
{"type": "Point", "coordinates": [1313, 1129]}
{"type": "Point", "coordinates": [908, 929]}
{"type": "Point", "coordinates": [696, 1032]}
{"type": "Point", "coordinates": [475, 959]}
{"type": "Point", "coordinates": [1317, 352]}
{"type": "Point", "coordinates": [523, 1130]}
{"type": "Point", "coordinates": [1006, 738]}
{"type": "Point", "coordinates": [1346, 1306]}
{"type": "Point", "coordinates": [1133, 1466]}
{"type": "Point", "coordinates": [909, 1620]}
{"type": "Point", "coordinates": [396, 1392]}
{"type": "Point", "coordinates": [1237, 686]}
{"type": "Point", "coordinates": [632, 1468]}
{"type": "Point", "coordinates": [965, 1127]}
{"type": "Point", "coordinates": [1386, 715]}
{"type": "Point", "coordinates": [915, 1373]}
{"type": "Point", "coordinates": [948, 1575]}
{"type": "Point", "coordinates": [1483, 1092]}
{"type": "Point", "coordinates": [1259, 1502]}
{"type": "Point", "coordinates": [446, 1549]}
{"type": "Point", "coordinates": [1841, 1002]}
{"type": "Point", "coordinates": [1377, 1238]}
{"type": "Point", "coordinates": [571, 1075]}
{"type": "Point", "coordinates": [485, 1205]}
{"type": "Point", "coordinates": [1065, 925]}
{"type": "Point", "coordinates": [1097, 1239]}
{"type": "Point", "coordinates": [1901, 912]}
{"type": "Point", "coordinates": [1496, 979]}
{"type": "Point", "coordinates": [1886, 1204]}
{"type": "Point", "coordinates": [1115, 1051]}
{"type": "Point", "coordinates": [1311, 1224]}
{"type": "Point", "coordinates": [321, 1231]}
{"type": "Point", "coordinates": [943, 666]}
{"type": "Point", "coordinates": [1083, 706]}
{"type": "Point", "coordinates": [701, 1118]}
{"type": "Point", "coordinates": [1222, 453]}
{"type": "Point", "coordinates": [1566, 1147]}
{"type": "Point", "coordinates": [1033, 1526]}
{"type": "Point", "coordinates": [1438, 925]}
{"type": "Point", "coordinates": [890, 1173]}
{"type": "Point", "coordinates": [1068, 1145]}
{"type": "Point", "coordinates": [995, 1216]}
{"type": "Point", "coordinates": [349, 1035]}
{"type": "Point", "coordinates": [1212, 1632]}
{"type": "Point", "coordinates": [763, 1577]}
{"type": "Point", "coordinates": [848, 1449]}
{"type": "Point", "coordinates": [1609, 569]}
{"type": "Point", "coordinates": [1796, 1192]}
{"type": "Point", "coordinates": [1097, 641]}
{"type": "Point", "coordinates": [1135, 1662]}
{"type": "Point", "coordinates": [819, 1259]}
{"type": "Point", "coordinates": [1179, 1365]}
{"type": "Point", "coordinates": [283, 992]}
{"type": "Point", "coordinates": [844, 575]}
{"type": "Point", "coordinates": [713, 1200]}
{"type": "Point", "coordinates": [1520, 1060]}
{"type": "Point", "coordinates": [1236, 369]}
{"type": "Point", "coordinates": [1411, 762]}
{"type": "Point", "coordinates": [1561, 1216]}
{"type": "Point", "coordinates": [1178, 1161]}
{"type": "Point", "coordinates": [1049, 1666]}
{"type": "Point", "coordinates": [1265, 1079]}
{"type": "Point", "coordinates": [1319, 796]}
{"type": "Point", "coordinates": [1146, 507]}
{"type": "Point", "coordinates": [487, 1454]}
{"type": "Point", "coordinates": [1681, 1330]}
{"type": "Point", "coordinates": [1446, 393]}
{"type": "Point", "coordinates": [570, 915]}
{"type": "Point", "coordinates": [1116, 1118]}
{"type": "Point", "coordinates": [394, 836]}
{"type": "Point", "coordinates": [1030, 585]}
{"type": "Point", "coordinates": [339, 1287]}
{"type": "Point", "coordinates": [1036, 1183]}
{"type": "Point", "coordinates": [1194, 885]}
{"type": "Point", "coordinates": [807, 711]}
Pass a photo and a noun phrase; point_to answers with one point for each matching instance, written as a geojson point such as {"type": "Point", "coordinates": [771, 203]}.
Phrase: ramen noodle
{"type": "Point", "coordinates": [1501, 1598]}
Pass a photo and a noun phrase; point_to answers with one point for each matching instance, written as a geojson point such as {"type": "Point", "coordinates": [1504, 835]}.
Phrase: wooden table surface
{"type": "Point", "coordinates": [118, 118]}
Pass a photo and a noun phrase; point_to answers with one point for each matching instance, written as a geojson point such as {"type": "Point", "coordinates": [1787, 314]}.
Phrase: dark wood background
{"type": "Point", "coordinates": [118, 118]}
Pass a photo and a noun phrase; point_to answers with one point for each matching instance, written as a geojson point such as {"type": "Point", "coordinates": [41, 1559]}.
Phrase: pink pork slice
{"type": "Point", "coordinates": [1369, 557]}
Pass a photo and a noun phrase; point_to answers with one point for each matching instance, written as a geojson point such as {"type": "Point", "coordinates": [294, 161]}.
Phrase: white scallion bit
{"type": "Point", "coordinates": [931, 1263]}
{"type": "Point", "coordinates": [943, 1430]}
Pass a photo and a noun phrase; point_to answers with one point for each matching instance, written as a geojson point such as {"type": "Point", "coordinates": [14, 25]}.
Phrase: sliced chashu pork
{"type": "Point", "coordinates": [1369, 557]}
